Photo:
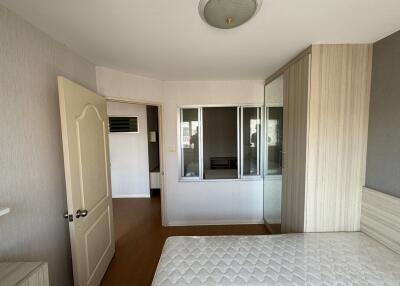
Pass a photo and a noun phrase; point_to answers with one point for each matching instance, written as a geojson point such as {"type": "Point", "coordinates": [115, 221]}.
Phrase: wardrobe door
{"type": "Point", "coordinates": [295, 113]}
{"type": "Point", "coordinates": [338, 132]}
{"type": "Point", "coordinates": [273, 104]}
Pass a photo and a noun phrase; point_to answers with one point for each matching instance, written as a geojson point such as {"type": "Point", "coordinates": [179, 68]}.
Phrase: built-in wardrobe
{"type": "Point", "coordinates": [324, 95]}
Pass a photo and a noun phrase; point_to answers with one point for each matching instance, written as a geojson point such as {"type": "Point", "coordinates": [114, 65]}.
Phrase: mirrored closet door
{"type": "Point", "coordinates": [273, 104]}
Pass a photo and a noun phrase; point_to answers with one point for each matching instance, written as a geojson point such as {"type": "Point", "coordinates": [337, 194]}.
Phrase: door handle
{"type": "Point", "coordinates": [68, 216]}
{"type": "Point", "coordinates": [81, 213]}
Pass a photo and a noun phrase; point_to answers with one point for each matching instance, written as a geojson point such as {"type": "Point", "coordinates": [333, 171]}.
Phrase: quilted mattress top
{"type": "Point", "coordinates": [289, 259]}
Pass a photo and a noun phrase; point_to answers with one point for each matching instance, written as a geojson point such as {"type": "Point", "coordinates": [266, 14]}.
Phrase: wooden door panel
{"type": "Point", "coordinates": [86, 161]}
{"type": "Point", "coordinates": [93, 159]}
{"type": "Point", "coordinates": [97, 242]}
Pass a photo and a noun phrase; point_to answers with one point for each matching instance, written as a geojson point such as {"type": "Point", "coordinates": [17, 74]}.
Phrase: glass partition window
{"type": "Point", "coordinates": [251, 139]}
{"type": "Point", "coordinates": [221, 142]}
{"type": "Point", "coordinates": [189, 123]}
{"type": "Point", "coordinates": [220, 159]}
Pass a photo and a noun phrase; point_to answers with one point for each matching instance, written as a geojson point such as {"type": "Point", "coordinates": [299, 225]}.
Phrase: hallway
{"type": "Point", "coordinates": [140, 238]}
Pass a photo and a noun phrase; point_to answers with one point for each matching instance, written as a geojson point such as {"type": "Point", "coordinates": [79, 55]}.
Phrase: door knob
{"type": "Point", "coordinates": [68, 216]}
{"type": "Point", "coordinates": [81, 213]}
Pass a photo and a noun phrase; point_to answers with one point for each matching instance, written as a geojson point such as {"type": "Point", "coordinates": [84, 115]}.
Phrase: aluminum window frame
{"type": "Point", "coordinates": [180, 147]}
{"type": "Point", "coordinates": [260, 141]}
{"type": "Point", "coordinates": [239, 122]}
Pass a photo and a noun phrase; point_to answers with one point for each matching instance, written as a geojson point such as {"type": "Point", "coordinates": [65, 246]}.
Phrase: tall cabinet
{"type": "Point", "coordinates": [326, 101]}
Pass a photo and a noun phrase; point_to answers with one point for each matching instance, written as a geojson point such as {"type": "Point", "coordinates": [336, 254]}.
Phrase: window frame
{"type": "Point", "coordinates": [260, 142]}
{"type": "Point", "coordinates": [180, 147]}
{"type": "Point", "coordinates": [239, 120]}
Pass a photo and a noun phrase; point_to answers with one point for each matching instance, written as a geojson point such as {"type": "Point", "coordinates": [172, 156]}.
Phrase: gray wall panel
{"type": "Point", "coordinates": [383, 157]}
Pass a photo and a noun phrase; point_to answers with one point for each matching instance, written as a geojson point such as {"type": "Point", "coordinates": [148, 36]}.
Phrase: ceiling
{"type": "Point", "coordinates": [167, 39]}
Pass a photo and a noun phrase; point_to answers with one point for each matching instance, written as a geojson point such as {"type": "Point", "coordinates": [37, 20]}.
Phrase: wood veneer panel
{"type": "Point", "coordinates": [380, 218]}
{"type": "Point", "coordinates": [337, 136]}
{"type": "Point", "coordinates": [295, 110]}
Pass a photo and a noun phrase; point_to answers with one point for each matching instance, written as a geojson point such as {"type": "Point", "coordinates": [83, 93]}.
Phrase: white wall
{"type": "Point", "coordinates": [190, 203]}
{"type": "Point", "coordinates": [129, 154]}
{"type": "Point", "coordinates": [31, 158]}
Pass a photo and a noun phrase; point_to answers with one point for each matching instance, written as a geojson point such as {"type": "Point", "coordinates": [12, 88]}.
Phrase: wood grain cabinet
{"type": "Point", "coordinates": [326, 103]}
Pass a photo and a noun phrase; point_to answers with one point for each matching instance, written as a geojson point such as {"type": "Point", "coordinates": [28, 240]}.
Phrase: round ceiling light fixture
{"type": "Point", "coordinates": [228, 14]}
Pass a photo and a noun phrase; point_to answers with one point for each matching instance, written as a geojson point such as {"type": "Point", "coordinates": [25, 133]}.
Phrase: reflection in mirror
{"type": "Point", "coordinates": [273, 102]}
{"type": "Point", "coordinates": [251, 140]}
{"type": "Point", "coordinates": [274, 140]}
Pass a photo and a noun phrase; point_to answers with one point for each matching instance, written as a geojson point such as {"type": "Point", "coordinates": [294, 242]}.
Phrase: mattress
{"type": "Point", "coordinates": [289, 259]}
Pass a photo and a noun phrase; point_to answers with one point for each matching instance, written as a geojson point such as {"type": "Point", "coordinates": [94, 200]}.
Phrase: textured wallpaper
{"type": "Point", "coordinates": [31, 159]}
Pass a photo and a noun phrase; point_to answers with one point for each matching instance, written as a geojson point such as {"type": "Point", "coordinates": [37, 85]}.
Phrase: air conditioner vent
{"type": "Point", "coordinates": [124, 124]}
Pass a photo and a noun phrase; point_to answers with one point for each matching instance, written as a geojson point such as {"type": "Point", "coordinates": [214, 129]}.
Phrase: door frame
{"type": "Point", "coordinates": [161, 148]}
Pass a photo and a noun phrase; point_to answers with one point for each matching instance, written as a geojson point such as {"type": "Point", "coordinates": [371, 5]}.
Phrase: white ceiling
{"type": "Point", "coordinates": [167, 40]}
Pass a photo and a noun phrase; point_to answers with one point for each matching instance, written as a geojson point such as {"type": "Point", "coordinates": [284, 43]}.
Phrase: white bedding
{"type": "Point", "coordinates": [290, 259]}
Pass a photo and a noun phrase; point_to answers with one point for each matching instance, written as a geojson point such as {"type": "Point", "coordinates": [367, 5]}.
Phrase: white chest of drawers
{"type": "Point", "coordinates": [24, 274]}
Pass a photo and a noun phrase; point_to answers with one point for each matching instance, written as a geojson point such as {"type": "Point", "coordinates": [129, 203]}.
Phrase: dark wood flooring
{"type": "Point", "coordinates": [140, 238]}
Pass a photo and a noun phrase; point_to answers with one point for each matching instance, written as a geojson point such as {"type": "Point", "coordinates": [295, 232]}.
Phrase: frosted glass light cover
{"type": "Point", "coordinates": [227, 14]}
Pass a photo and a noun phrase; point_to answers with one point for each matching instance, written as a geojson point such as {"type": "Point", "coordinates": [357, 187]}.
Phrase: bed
{"type": "Point", "coordinates": [353, 258]}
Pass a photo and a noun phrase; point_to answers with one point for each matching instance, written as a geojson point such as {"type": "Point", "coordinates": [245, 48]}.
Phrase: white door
{"type": "Point", "coordinates": [86, 160]}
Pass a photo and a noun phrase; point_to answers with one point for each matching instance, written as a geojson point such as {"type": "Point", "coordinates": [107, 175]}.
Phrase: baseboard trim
{"type": "Point", "coordinates": [214, 222]}
{"type": "Point", "coordinates": [134, 196]}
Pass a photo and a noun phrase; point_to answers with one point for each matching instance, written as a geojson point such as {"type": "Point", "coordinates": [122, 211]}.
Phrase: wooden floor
{"type": "Point", "coordinates": [140, 237]}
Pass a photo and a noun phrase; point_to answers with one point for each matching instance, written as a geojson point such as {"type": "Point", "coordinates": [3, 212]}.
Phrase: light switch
{"type": "Point", "coordinates": [153, 136]}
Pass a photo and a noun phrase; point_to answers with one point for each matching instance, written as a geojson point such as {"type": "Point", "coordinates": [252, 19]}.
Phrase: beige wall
{"type": "Point", "coordinates": [31, 160]}
{"type": "Point", "coordinates": [193, 202]}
